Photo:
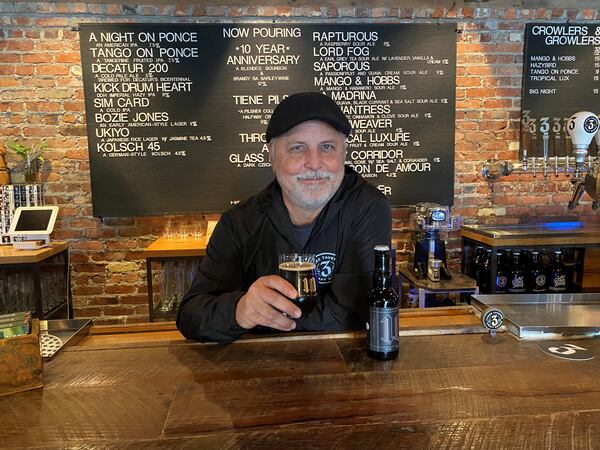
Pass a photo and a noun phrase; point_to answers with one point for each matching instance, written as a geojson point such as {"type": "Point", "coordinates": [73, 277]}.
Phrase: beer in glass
{"type": "Point", "coordinates": [300, 271]}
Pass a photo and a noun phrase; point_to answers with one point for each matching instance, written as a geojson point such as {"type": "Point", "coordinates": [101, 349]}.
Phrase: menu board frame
{"type": "Point", "coordinates": [191, 138]}
{"type": "Point", "coordinates": [561, 76]}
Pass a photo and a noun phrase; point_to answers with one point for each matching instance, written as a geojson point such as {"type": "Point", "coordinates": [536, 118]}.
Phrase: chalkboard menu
{"type": "Point", "coordinates": [561, 77]}
{"type": "Point", "coordinates": [176, 113]}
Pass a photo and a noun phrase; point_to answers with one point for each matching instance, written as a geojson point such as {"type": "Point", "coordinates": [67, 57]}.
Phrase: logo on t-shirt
{"type": "Point", "coordinates": [325, 267]}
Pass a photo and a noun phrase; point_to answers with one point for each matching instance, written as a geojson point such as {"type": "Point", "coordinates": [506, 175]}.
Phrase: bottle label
{"type": "Point", "coordinates": [540, 282]}
{"type": "Point", "coordinates": [500, 282]}
{"type": "Point", "coordinates": [559, 281]}
{"type": "Point", "coordinates": [383, 329]}
{"type": "Point", "coordinates": [517, 284]}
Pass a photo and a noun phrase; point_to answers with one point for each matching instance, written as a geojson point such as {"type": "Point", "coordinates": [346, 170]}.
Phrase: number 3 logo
{"type": "Point", "coordinates": [567, 349]}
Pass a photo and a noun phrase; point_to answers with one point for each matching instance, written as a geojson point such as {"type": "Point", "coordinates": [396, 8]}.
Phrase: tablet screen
{"type": "Point", "coordinates": [33, 220]}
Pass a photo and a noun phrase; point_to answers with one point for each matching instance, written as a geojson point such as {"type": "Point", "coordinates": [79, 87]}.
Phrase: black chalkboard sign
{"type": "Point", "coordinates": [176, 113]}
{"type": "Point", "coordinates": [561, 77]}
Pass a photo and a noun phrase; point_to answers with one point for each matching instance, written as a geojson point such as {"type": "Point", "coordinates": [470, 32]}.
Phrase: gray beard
{"type": "Point", "coordinates": [308, 198]}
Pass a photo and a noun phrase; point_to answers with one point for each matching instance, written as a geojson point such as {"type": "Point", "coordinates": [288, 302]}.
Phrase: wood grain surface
{"type": "Point", "coordinates": [414, 321]}
{"type": "Point", "coordinates": [453, 391]}
{"type": "Point", "coordinates": [177, 247]}
{"type": "Point", "coordinates": [556, 431]}
{"type": "Point", "coordinates": [10, 255]}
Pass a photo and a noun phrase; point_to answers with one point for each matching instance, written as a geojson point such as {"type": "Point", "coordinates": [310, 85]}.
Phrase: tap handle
{"type": "Point", "coordinates": [579, 189]}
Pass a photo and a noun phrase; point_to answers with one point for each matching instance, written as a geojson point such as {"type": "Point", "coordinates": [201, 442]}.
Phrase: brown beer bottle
{"type": "Point", "coordinates": [558, 277]}
{"type": "Point", "coordinates": [384, 306]}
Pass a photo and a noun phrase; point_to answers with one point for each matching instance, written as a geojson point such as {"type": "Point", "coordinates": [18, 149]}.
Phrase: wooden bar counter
{"type": "Point", "coordinates": [312, 391]}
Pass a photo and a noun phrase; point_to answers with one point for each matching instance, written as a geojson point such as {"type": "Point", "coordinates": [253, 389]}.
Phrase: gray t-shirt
{"type": "Point", "coordinates": [303, 232]}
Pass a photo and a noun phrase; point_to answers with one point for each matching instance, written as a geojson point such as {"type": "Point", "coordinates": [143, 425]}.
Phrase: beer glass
{"type": "Point", "coordinates": [300, 270]}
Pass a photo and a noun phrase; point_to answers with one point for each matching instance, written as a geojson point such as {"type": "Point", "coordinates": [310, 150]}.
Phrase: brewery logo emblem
{"type": "Point", "coordinates": [540, 280]}
{"type": "Point", "coordinates": [492, 319]}
{"type": "Point", "coordinates": [325, 267]}
{"type": "Point", "coordinates": [590, 124]}
{"type": "Point", "coordinates": [501, 281]}
{"type": "Point", "coordinates": [438, 216]}
{"type": "Point", "coordinates": [560, 349]}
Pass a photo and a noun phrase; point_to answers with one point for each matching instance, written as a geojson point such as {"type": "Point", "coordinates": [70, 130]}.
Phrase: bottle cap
{"type": "Point", "coordinates": [382, 248]}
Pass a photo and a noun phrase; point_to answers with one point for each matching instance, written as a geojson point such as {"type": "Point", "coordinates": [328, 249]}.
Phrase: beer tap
{"type": "Point", "coordinates": [582, 127]}
{"type": "Point", "coordinates": [578, 190]}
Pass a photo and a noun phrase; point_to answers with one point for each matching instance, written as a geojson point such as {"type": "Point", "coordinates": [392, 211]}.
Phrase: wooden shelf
{"type": "Point", "coordinates": [174, 248]}
{"type": "Point", "coordinates": [9, 255]}
{"type": "Point", "coordinates": [526, 235]}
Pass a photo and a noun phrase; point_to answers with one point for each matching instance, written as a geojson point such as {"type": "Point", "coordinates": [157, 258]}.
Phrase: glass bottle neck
{"type": "Point", "coordinates": [382, 280]}
{"type": "Point", "coordinates": [382, 277]}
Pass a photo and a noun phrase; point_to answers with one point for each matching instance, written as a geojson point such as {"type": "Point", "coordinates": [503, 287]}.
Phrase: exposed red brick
{"type": "Point", "coordinates": [19, 45]}
{"type": "Point", "coordinates": [52, 22]}
{"type": "Point", "coordinates": [88, 312]}
{"type": "Point", "coordinates": [588, 14]}
{"type": "Point", "coordinates": [117, 310]}
{"type": "Point", "coordinates": [332, 11]}
{"type": "Point", "coordinates": [101, 301]}
{"type": "Point", "coordinates": [24, 70]}
{"type": "Point", "coordinates": [35, 58]}
{"type": "Point", "coordinates": [51, 70]}
{"type": "Point", "coordinates": [9, 57]}
{"type": "Point", "coordinates": [113, 9]}
{"type": "Point", "coordinates": [87, 290]}
{"type": "Point", "coordinates": [182, 10]}
{"type": "Point", "coordinates": [67, 57]}
{"type": "Point", "coordinates": [134, 300]}
{"type": "Point", "coordinates": [120, 289]}
{"type": "Point", "coordinates": [219, 11]}
{"type": "Point", "coordinates": [467, 13]}
{"type": "Point", "coordinates": [79, 8]}
{"type": "Point", "coordinates": [120, 244]}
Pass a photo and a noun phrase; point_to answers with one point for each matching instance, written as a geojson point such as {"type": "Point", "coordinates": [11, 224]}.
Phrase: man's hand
{"type": "Point", "coordinates": [264, 303]}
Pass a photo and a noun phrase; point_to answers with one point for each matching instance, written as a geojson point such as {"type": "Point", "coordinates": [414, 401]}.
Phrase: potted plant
{"type": "Point", "coordinates": [32, 158]}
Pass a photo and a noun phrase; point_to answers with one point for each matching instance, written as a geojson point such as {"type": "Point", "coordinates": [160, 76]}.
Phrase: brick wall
{"type": "Point", "coordinates": [41, 96]}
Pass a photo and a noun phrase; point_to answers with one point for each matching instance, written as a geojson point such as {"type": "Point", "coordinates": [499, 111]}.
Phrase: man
{"type": "Point", "coordinates": [315, 205]}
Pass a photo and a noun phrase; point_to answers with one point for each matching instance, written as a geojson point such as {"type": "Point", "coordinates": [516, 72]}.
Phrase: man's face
{"type": "Point", "coordinates": [308, 162]}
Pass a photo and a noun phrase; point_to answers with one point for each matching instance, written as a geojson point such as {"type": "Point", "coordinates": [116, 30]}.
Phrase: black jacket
{"type": "Point", "coordinates": [248, 239]}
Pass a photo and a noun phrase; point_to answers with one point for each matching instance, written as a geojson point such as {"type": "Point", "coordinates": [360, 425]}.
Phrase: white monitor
{"type": "Point", "coordinates": [33, 222]}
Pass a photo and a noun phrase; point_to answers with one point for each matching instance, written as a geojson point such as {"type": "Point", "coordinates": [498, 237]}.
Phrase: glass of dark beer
{"type": "Point", "coordinates": [300, 270]}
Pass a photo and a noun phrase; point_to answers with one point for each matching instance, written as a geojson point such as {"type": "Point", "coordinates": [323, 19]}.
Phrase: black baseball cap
{"type": "Point", "coordinates": [298, 108]}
